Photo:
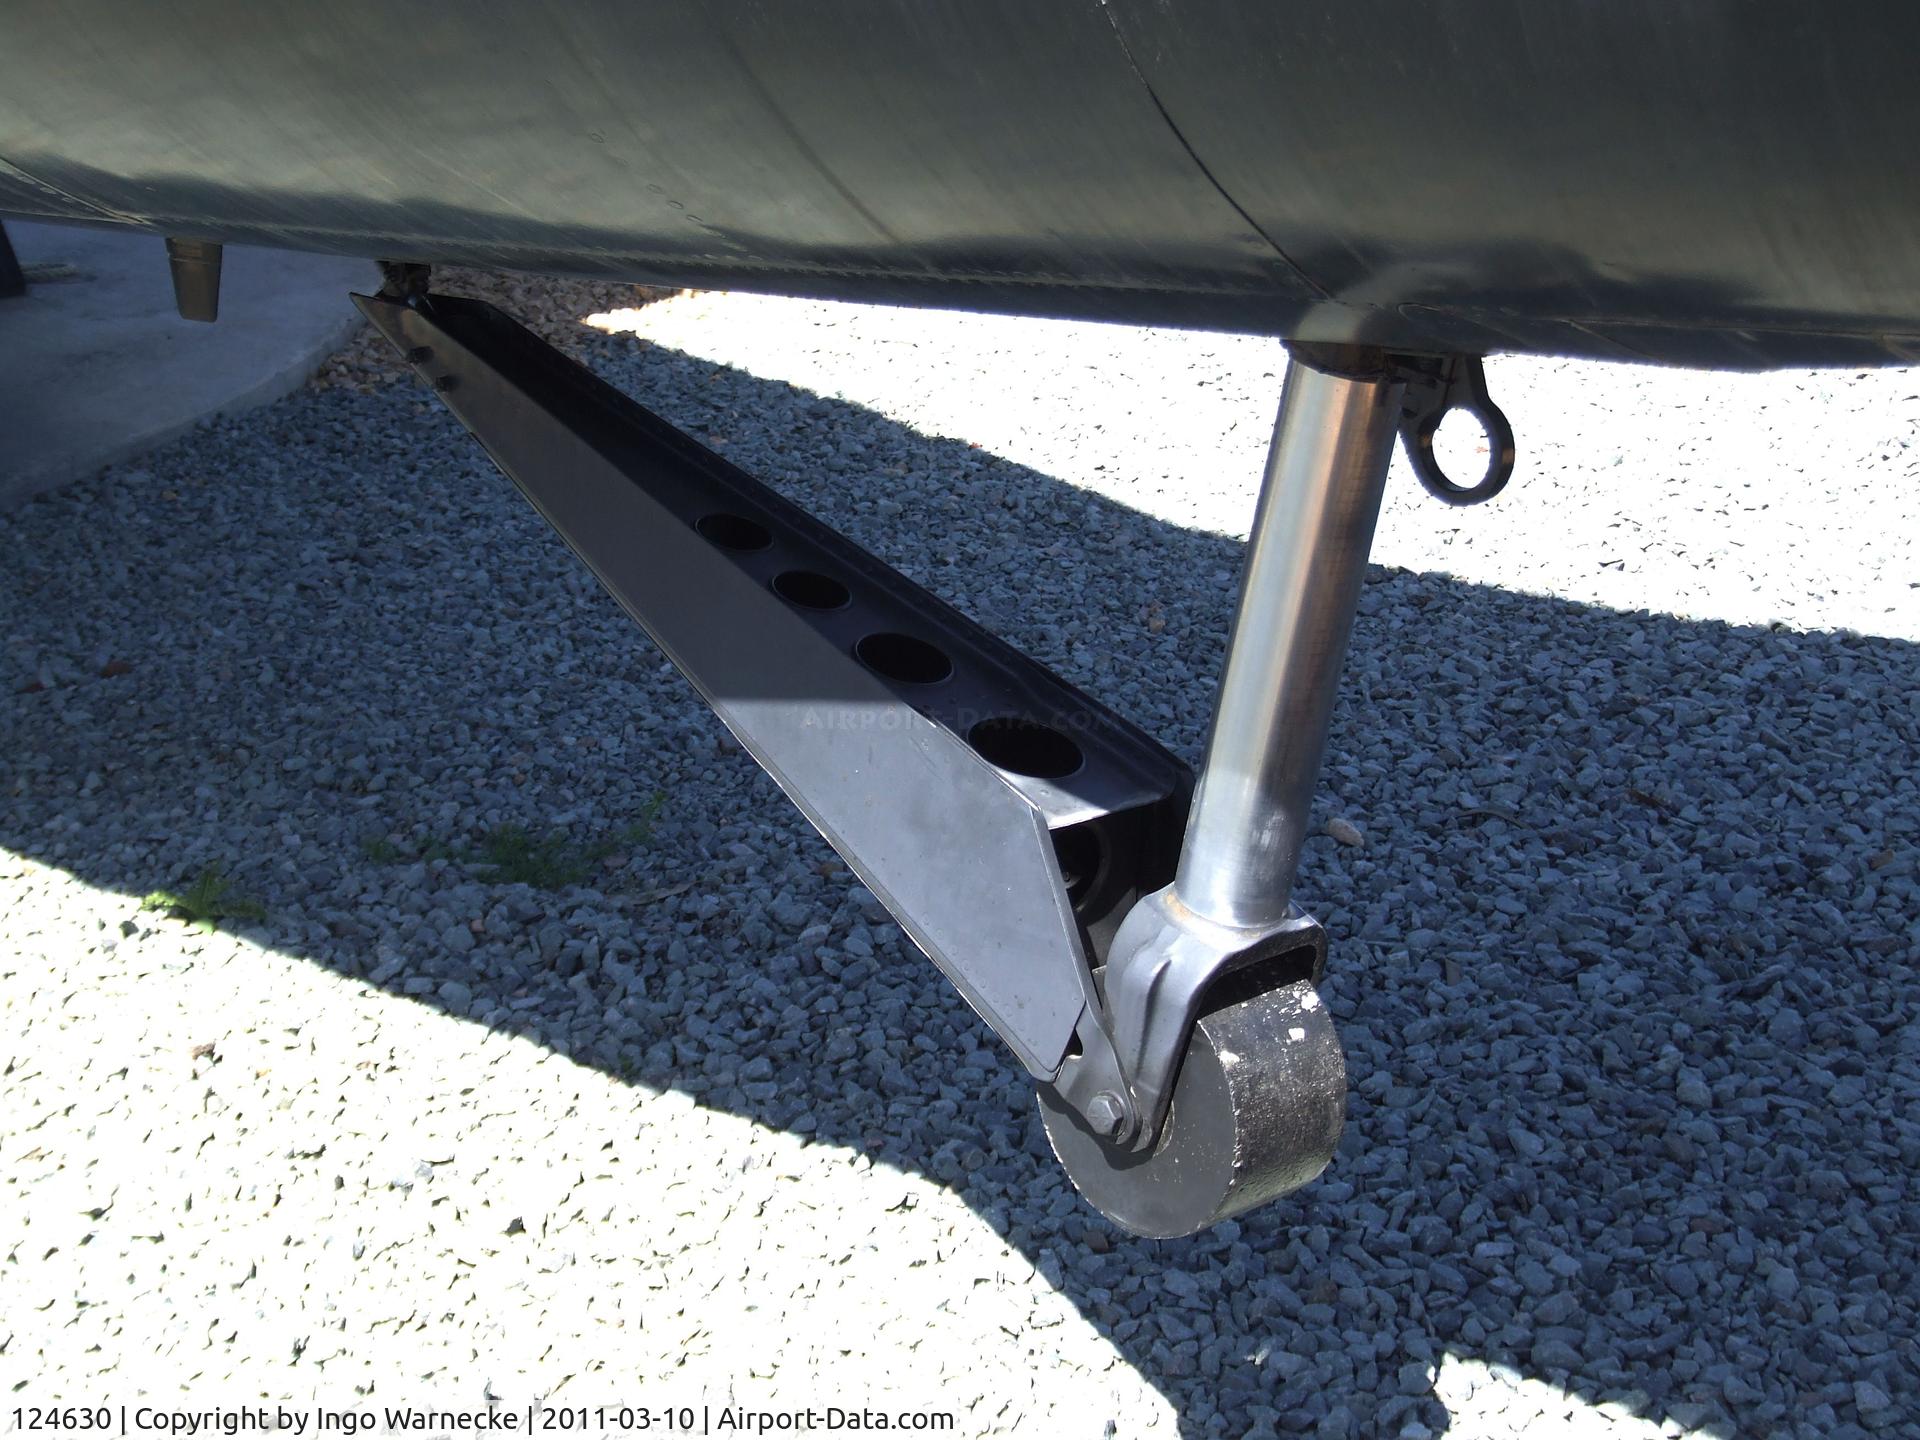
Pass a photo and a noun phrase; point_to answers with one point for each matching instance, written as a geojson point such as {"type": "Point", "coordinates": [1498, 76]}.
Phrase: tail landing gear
{"type": "Point", "coordinates": [1126, 932]}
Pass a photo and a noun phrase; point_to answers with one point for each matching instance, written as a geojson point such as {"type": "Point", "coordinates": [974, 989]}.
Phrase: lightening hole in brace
{"type": "Point", "coordinates": [905, 658]}
{"type": "Point", "coordinates": [1026, 747]}
{"type": "Point", "coordinates": [734, 532]}
{"type": "Point", "coordinates": [811, 591]}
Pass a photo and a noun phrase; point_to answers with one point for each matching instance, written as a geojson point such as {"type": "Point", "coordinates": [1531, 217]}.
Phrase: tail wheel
{"type": "Point", "coordinates": [1256, 1113]}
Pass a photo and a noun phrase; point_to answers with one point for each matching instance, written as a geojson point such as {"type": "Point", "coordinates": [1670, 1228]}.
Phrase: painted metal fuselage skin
{"type": "Point", "coordinates": [1713, 182]}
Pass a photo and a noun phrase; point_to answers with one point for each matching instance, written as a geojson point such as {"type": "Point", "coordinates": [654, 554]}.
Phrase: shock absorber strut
{"type": "Point", "coordinates": [1236, 1086]}
{"type": "Point", "coordinates": [1305, 560]}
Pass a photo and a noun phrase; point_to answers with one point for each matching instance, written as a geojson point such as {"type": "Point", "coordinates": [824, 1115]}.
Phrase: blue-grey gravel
{"type": "Point", "coordinates": [1617, 859]}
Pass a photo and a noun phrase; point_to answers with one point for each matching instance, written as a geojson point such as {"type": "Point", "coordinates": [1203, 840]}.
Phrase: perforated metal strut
{"type": "Point", "coordinates": [1004, 818]}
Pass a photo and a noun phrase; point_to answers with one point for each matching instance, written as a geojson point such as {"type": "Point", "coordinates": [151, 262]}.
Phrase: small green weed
{"type": "Point", "coordinates": [514, 855]}
{"type": "Point", "coordinates": [210, 899]}
{"type": "Point", "coordinates": [381, 850]}
{"type": "Point", "coordinates": [546, 862]}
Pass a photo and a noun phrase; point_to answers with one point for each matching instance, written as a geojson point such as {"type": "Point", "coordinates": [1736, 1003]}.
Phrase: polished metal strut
{"type": "Point", "coordinates": [1326, 473]}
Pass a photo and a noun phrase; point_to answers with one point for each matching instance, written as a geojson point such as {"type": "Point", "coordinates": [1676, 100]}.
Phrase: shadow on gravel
{"type": "Point", "coordinates": [1622, 966]}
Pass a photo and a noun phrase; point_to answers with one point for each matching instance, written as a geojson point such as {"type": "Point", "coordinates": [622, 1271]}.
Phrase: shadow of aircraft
{"type": "Point", "coordinates": [1609, 856]}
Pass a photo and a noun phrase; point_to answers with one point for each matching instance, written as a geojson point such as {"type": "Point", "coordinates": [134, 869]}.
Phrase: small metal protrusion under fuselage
{"type": "Point", "coordinates": [196, 277]}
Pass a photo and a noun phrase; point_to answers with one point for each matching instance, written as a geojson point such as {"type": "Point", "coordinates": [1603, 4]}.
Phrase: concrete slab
{"type": "Point", "coordinates": [96, 367]}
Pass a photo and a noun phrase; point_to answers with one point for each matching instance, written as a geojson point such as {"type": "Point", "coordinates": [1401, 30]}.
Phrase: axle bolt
{"type": "Point", "coordinates": [1107, 1114]}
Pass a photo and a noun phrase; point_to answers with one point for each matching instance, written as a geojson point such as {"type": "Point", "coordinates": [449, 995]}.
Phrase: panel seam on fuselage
{"type": "Point", "coordinates": [1200, 164]}
{"type": "Point", "coordinates": [98, 212]}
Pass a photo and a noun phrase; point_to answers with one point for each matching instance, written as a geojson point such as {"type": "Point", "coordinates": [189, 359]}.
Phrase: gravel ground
{"type": "Point", "coordinates": [1623, 939]}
